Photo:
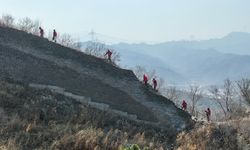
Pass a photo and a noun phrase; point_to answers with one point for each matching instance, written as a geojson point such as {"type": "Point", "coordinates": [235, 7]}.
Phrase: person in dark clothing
{"type": "Point", "coordinates": [154, 84]}
{"type": "Point", "coordinates": [109, 54]}
{"type": "Point", "coordinates": [208, 114]}
{"type": "Point", "coordinates": [184, 105]}
{"type": "Point", "coordinates": [41, 32]}
{"type": "Point", "coordinates": [54, 38]}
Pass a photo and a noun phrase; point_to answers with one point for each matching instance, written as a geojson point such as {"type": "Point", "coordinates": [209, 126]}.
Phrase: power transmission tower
{"type": "Point", "coordinates": [92, 35]}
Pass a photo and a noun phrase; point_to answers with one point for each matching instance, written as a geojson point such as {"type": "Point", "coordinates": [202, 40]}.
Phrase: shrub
{"type": "Point", "coordinates": [209, 137]}
{"type": "Point", "coordinates": [68, 41]}
{"type": "Point", "coordinates": [28, 25]}
{"type": "Point", "coordinates": [7, 21]}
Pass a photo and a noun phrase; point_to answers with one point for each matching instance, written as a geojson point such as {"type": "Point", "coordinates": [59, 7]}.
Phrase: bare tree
{"type": "Point", "coordinates": [161, 83]}
{"type": "Point", "coordinates": [116, 57]}
{"type": "Point", "coordinates": [217, 97]}
{"type": "Point", "coordinates": [224, 97]}
{"type": "Point", "coordinates": [78, 45]}
{"type": "Point", "coordinates": [172, 94]}
{"type": "Point", "coordinates": [151, 74]}
{"type": "Point", "coordinates": [228, 93]}
{"type": "Point", "coordinates": [7, 20]}
{"type": "Point", "coordinates": [195, 94]}
{"type": "Point", "coordinates": [139, 71]}
{"type": "Point", "coordinates": [96, 49]}
{"type": "Point", "coordinates": [68, 41]}
{"type": "Point", "coordinates": [28, 25]}
{"type": "Point", "coordinates": [244, 88]}
{"type": "Point", "coordinates": [99, 49]}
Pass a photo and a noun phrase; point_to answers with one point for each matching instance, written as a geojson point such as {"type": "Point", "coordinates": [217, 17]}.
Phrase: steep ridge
{"type": "Point", "coordinates": [31, 59]}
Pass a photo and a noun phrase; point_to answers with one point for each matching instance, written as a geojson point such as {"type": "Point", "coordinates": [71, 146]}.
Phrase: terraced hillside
{"type": "Point", "coordinates": [33, 60]}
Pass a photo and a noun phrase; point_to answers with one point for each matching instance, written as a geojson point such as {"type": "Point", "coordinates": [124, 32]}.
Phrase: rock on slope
{"type": "Point", "coordinates": [30, 59]}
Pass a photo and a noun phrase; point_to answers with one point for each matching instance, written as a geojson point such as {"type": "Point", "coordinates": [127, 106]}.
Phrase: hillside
{"type": "Point", "coordinates": [32, 118]}
{"type": "Point", "coordinates": [32, 60]}
{"type": "Point", "coordinates": [54, 97]}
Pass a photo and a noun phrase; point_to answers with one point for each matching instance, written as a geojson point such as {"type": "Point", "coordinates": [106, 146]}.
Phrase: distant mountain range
{"type": "Point", "coordinates": [182, 62]}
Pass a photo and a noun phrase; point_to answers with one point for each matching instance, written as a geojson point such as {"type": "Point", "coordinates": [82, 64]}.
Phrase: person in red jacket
{"type": "Point", "coordinates": [109, 53]}
{"type": "Point", "coordinates": [54, 35]}
{"type": "Point", "coordinates": [184, 105]}
{"type": "Point", "coordinates": [154, 83]}
{"type": "Point", "coordinates": [145, 79]}
{"type": "Point", "coordinates": [208, 113]}
{"type": "Point", "coordinates": [41, 32]}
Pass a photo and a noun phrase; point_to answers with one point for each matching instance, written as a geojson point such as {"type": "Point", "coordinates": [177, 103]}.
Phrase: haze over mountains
{"type": "Point", "coordinates": [185, 62]}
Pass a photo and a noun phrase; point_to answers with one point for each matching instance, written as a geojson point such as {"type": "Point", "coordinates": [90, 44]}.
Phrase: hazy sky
{"type": "Point", "coordinates": [137, 20]}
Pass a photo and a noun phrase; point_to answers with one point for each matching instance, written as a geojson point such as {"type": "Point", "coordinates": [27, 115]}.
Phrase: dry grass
{"type": "Point", "coordinates": [222, 136]}
{"type": "Point", "coordinates": [92, 138]}
{"type": "Point", "coordinates": [67, 124]}
{"type": "Point", "coordinates": [242, 125]}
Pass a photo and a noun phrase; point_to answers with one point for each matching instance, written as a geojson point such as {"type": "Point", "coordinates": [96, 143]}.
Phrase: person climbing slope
{"type": "Point", "coordinates": [208, 114]}
{"type": "Point", "coordinates": [184, 105]}
{"type": "Point", "coordinates": [54, 35]}
{"type": "Point", "coordinates": [109, 53]}
{"type": "Point", "coordinates": [41, 32]}
{"type": "Point", "coordinates": [145, 79]}
{"type": "Point", "coordinates": [154, 83]}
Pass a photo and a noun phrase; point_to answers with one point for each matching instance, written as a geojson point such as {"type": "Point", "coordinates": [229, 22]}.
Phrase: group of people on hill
{"type": "Point", "coordinates": [154, 81]}
{"type": "Point", "coordinates": [184, 103]}
{"type": "Point", "coordinates": [145, 77]}
{"type": "Point", "coordinates": [54, 38]}
{"type": "Point", "coordinates": [207, 111]}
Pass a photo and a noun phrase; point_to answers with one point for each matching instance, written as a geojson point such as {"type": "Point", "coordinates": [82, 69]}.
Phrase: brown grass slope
{"type": "Point", "coordinates": [228, 135]}
{"type": "Point", "coordinates": [40, 119]}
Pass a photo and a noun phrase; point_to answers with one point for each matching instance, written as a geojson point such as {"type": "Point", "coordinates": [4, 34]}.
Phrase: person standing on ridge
{"type": "Point", "coordinates": [208, 113]}
{"type": "Point", "coordinates": [54, 35]}
{"type": "Point", "coordinates": [145, 79]}
{"type": "Point", "coordinates": [154, 83]}
{"type": "Point", "coordinates": [109, 53]}
{"type": "Point", "coordinates": [184, 105]}
{"type": "Point", "coordinates": [41, 32]}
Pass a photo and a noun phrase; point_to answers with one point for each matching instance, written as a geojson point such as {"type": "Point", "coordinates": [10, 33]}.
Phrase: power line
{"type": "Point", "coordinates": [100, 35]}
{"type": "Point", "coordinates": [94, 36]}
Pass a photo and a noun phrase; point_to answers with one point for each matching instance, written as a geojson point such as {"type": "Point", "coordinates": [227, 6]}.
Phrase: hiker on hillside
{"type": "Point", "coordinates": [154, 83]}
{"type": "Point", "coordinates": [109, 53]}
{"type": "Point", "coordinates": [145, 79]}
{"type": "Point", "coordinates": [41, 32]}
{"type": "Point", "coordinates": [208, 114]}
{"type": "Point", "coordinates": [184, 105]}
{"type": "Point", "coordinates": [54, 35]}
